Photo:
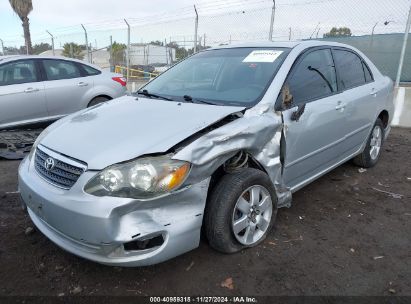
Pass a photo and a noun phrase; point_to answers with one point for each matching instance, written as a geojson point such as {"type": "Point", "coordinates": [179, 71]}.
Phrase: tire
{"type": "Point", "coordinates": [371, 154]}
{"type": "Point", "coordinates": [97, 100]}
{"type": "Point", "coordinates": [221, 211]}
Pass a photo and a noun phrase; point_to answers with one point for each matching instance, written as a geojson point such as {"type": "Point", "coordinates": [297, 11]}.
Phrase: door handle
{"type": "Point", "coordinates": [82, 84]}
{"type": "Point", "coordinates": [373, 92]}
{"type": "Point", "coordinates": [340, 106]}
{"type": "Point", "coordinates": [31, 90]}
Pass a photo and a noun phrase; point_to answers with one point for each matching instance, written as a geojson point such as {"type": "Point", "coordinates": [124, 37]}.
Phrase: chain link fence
{"type": "Point", "coordinates": [375, 27]}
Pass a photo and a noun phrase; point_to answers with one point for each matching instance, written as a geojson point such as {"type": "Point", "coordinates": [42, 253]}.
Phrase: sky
{"type": "Point", "coordinates": [220, 20]}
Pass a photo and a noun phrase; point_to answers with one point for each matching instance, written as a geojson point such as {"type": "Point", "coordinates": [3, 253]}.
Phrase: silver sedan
{"type": "Point", "coordinates": [37, 89]}
{"type": "Point", "coordinates": [216, 143]}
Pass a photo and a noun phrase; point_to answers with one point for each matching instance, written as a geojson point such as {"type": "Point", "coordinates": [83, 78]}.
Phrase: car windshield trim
{"type": "Point", "coordinates": [284, 52]}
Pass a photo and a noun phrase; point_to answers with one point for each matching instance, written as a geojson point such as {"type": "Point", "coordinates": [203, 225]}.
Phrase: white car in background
{"type": "Point", "coordinates": [37, 89]}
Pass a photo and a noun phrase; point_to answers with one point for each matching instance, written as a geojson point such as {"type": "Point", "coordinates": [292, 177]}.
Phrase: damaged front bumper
{"type": "Point", "coordinates": [111, 230]}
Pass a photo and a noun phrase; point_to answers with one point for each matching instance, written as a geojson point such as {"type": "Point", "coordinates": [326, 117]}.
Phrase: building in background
{"type": "Point", "coordinates": [150, 54]}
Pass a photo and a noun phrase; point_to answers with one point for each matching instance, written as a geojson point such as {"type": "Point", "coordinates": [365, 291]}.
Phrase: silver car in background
{"type": "Point", "coordinates": [37, 89]}
{"type": "Point", "coordinates": [216, 143]}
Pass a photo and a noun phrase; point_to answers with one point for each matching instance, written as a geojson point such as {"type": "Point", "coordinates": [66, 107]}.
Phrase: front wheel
{"type": "Point", "coordinates": [241, 211]}
{"type": "Point", "coordinates": [369, 157]}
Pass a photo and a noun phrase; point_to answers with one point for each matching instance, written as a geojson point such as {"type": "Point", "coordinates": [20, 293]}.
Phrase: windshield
{"type": "Point", "coordinates": [233, 77]}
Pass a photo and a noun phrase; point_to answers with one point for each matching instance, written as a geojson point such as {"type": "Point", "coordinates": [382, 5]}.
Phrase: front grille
{"type": "Point", "coordinates": [58, 172]}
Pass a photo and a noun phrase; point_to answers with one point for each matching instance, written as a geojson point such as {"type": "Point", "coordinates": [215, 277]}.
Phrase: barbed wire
{"type": "Point", "coordinates": [227, 21]}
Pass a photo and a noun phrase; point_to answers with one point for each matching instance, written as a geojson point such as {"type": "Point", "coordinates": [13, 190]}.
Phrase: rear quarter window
{"type": "Point", "coordinates": [89, 71]}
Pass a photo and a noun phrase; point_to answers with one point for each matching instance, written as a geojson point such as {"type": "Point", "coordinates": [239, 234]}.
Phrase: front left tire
{"type": "Point", "coordinates": [241, 211]}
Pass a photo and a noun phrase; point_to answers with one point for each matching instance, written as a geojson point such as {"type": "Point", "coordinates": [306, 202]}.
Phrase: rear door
{"type": "Point", "coordinates": [65, 86]}
{"type": "Point", "coordinates": [359, 93]}
{"type": "Point", "coordinates": [22, 97]}
{"type": "Point", "coordinates": [315, 122]}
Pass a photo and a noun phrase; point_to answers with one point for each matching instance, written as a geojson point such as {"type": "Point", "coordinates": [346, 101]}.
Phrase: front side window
{"type": "Point", "coordinates": [234, 76]}
{"type": "Point", "coordinates": [313, 77]}
{"type": "Point", "coordinates": [350, 69]}
{"type": "Point", "coordinates": [19, 72]}
{"type": "Point", "coordinates": [60, 69]}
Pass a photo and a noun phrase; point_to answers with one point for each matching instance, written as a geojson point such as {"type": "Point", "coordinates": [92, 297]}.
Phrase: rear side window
{"type": "Point", "coordinates": [313, 77]}
{"type": "Point", "coordinates": [89, 71]}
{"type": "Point", "coordinates": [19, 72]}
{"type": "Point", "coordinates": [60, 69]}
{"type": "Point", "coordinates": [350, 69]}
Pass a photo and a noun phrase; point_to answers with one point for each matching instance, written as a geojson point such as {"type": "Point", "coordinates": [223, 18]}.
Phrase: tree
{"type": "Point", "coordinates": [157, 43]}
{"type": "Point", "coordinates": [338, 32]}
{"type": "Point", "coordinates": [181, 52]}
{"type": "Point", "coordinates": [73, 50]}
{"type": "Point", "coordinates": [23, 8]}
{"type": "Point", "coordinates": [117, 53]}
{"type": "Point", "coordinates": [40, 48]}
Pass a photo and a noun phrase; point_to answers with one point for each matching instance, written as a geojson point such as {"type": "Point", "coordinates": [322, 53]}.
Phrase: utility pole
{"type": "Point", "coordinates": [128, 50]}
{"type": "Point", "coordinates": [2, 47]}
{"type": "Point", "coordinates": [195, 30]}
{"type": "Point", "coordinates": [52, 42]}
{"type": "Point", "coordinates": [289, 34]}
{"type": "Point", "coordinates": [404, 47]}
{"type": "Point", "coordinates": [85, 35]}
{"type": "Point", "coordinates": [373, 28]}
{"type": "Point", "coordinates": [270, 35]}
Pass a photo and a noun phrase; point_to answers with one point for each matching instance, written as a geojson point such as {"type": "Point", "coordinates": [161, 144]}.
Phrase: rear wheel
{"type": "Point", "coordinates": [369, 157]}
{"type": "Point", "coordinates": [97, 100]}
{"type": "Point", "coordinates": [241, 211]}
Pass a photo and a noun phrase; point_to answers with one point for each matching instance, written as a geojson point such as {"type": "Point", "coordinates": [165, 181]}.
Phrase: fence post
{"type": "Point", "coordinates": [128, 50]}
{"type": "Point", "coordinates": [270, 35]}
{"type": "Point", "coordinates": [165, 45]}
{"type": "Point", "coordinates": [404, 47]}
{"type": "Point", "coordinates": [52, 42]}
{"type": "Point", "coordinates": [2, 47]}
{"type": "Point", "coordinates": [195, 30]}
{"type": "Point", "coordinates": [111, 61]}
{"type": "Point", "coordinates": [85, 34]}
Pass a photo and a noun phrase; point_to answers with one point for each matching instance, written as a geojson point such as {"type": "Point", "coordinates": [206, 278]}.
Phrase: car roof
{"type": "Point", "coordinates": [283, 44]}
{"type": "Point", "coordinates": [17, 57]}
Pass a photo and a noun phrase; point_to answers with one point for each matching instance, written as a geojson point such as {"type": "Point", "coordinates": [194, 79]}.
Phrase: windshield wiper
{"type": "Point", "coordinates": [150, 95]}
{"type": "Point", "coordinates": [191, 99]}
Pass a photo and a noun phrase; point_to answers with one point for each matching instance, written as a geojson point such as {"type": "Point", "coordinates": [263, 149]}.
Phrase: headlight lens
{"type": "Point", "coordinates": [143, 178]}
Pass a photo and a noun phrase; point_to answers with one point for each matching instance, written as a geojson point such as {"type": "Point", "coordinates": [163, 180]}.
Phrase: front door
{"type": "Point", "coordinates": [314, 123]}
{"type": "Point", "coordinates": [22, 98]}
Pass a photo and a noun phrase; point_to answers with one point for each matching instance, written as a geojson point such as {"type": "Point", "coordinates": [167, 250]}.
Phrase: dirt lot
{"type": "Point", "coordinates": [342, 236]}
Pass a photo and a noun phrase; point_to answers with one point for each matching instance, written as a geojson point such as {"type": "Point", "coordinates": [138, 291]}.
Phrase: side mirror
{"type": "Point", "coordinates": [295, 116]}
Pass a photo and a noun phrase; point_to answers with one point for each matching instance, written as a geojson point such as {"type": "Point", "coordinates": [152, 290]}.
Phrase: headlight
{"type": "Point", "coordinates": [143, 178]}
{"type": "Point", "coordinates": [37, 141]}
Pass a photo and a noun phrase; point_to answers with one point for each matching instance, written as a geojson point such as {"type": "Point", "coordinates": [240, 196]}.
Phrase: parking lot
{"type": "Point", "coordinates": [347, 233]}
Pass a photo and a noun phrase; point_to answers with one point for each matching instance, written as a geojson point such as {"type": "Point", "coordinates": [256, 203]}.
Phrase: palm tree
{"type": "Point", "coordinates": [23, 8]}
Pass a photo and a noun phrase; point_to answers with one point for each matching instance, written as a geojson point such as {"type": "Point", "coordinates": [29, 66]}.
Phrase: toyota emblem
{"type": "Point", "coordinates": [49, 163]}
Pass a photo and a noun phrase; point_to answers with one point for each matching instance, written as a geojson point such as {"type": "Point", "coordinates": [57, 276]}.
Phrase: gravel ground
{"type": "Point", "coordinates": [348, 233]}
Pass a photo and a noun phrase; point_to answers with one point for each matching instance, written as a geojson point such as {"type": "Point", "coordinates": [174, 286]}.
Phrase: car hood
{"type": "Point", "coordinates": [127, 127]}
